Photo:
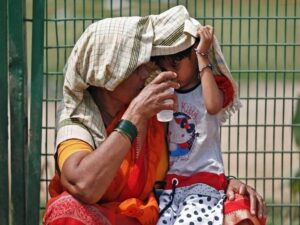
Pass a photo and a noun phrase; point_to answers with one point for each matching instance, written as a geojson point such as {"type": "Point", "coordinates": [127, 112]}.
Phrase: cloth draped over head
{"type": "Point", "coordinates": [109, 51]}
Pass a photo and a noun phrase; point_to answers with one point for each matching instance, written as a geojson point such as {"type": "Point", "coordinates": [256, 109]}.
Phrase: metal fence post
{"type": "Point", "coordinates": [35, 133]}
{"type": "Point", "coordinates": [18, 108]}
{"type": "Point", "coordinates": [4, 182]}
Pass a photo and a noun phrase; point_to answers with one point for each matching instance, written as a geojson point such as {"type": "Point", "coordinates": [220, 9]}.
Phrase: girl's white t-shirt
{"type": "Point", "coordinates": [194, 136]}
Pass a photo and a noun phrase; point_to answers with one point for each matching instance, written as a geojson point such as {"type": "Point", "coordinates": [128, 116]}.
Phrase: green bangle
{"type": "Point", "coordinates": [128, 128]}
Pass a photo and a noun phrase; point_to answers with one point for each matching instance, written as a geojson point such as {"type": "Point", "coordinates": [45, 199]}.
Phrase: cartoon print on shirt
{"type": "Point", "coordinates": [182, 140]}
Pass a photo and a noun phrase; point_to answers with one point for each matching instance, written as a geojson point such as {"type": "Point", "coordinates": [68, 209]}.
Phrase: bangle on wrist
{"type": "Point", "coordinates": [204, 67]}
{"type": "Point", "coordinates": [127, 128]}
{"type": "Point", "coordinates": [204, 54]}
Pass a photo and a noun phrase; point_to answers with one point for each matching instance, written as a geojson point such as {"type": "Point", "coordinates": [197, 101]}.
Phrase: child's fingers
{"type": "Point", "coordinates": [210, 29]}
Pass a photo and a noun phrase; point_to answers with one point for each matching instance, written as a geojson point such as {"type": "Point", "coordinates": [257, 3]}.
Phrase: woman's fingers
{"type": "Point", "coordinates": [243, 189]}
{"type": "Point", "coordinates": [232, 188]}
{"type": "Point", "coordinates": [253, 201]}
{"type": "Point", "coordinates": [152, 98]}
{"type": "Point", "coordinates": [260, 207]}
{"type": "Point", "coordinates": [230, 194]}
{"type": "Point", "coordinates": [257, 203]}
{"type": "Point", "coordinates": [163, 77]}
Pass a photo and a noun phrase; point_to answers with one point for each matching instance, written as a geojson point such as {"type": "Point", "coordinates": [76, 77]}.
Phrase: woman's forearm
{"type": "Point", "coordinates": [88, 175]}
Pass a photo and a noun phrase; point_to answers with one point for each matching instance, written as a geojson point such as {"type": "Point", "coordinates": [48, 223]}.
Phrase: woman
{"type": "Point", "coordinates": [110, 147]}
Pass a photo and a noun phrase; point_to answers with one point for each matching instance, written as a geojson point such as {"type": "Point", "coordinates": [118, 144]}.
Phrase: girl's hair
{"type": "Point", "coordinates": [173, 59]}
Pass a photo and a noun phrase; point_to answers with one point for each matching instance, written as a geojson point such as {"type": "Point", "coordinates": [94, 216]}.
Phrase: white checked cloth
{"type": "Point", "coordinates": [108, 52]}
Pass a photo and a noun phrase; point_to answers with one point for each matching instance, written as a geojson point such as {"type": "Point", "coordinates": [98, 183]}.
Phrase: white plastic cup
{"type": "Point", "coordinates": [166, 115]}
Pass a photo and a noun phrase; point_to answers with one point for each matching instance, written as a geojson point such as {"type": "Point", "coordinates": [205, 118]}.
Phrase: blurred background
{"type": "Point", "coordinates": [260, 143]}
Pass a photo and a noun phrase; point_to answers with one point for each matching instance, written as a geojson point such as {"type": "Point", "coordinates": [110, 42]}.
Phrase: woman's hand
{"type": "Point", "coordinates": [257, 203]}
{"type": "Point", "coordinates": [152, 98]}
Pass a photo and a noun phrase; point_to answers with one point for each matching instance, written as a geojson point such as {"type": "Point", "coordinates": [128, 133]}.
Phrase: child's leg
{"type": "Point", "coordinates": [200, 209]}
{"type": "Point", "coordinates": [170, 212]}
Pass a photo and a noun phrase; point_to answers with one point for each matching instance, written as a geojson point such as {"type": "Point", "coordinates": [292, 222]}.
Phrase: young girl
{"type": "Point", "coordinates": [195, 183]}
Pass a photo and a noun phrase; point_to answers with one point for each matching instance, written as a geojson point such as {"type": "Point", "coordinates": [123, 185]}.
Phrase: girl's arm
{"type": "Point", "coordinates": [213, 97]}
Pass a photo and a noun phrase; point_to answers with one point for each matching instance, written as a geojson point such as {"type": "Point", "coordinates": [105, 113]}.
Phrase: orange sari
{"type": "Point", "coordinates": [130, 193]}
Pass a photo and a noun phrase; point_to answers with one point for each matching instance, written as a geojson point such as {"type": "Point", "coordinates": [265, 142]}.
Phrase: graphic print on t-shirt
{"type": "Point", "coordinates": [181, 134]}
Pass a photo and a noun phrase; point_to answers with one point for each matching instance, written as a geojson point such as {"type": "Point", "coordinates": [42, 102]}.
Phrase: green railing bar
{"type": "Point", "coordinates": [102, 9]}
{"type": "Point", "coordinates": [243, 151]}
{"type": "Point", "coordinates": [140, 8]}
{"type": "Point", "coordinates": [266, 71]}
{"type": "Point", "coordinates": [283, 108]}
{"type": "Point", "coordinates": [18, 109]}
{"type": "Point", "coordinates": [293, 91]}
{"type": "Point", "coordinates": [198, 18]}
{"type": "Point", "coordinates": [65, 35]}
{"type": "Point", "coordinates": [83, 8]}
{"type": "Point", "coordinates": [265, 103]}
{"type": "Point", "coordinates": [248, 90]}
{"type": "Point", "coordinates": [256, 94]}
{"type": "Point", "coordinates": [93, 10]}
{"type": "Point", "coordinates": [34, 151]}
{"type": "Point", "coordinates": [250, 17]}
{"type": "Point", "coordinates": [239, 80]}
{"type": "Point", "coordinates": [222, 45]}
{"type": "Point", "coordinates": [111, 6]}
{"type": "Point", "coordinates": [260, 44]}
{"type": "Point", "coordinates": [284, 205]}
{"type": "Point", "coordinates": [274, 117]}
{"type": "Point", "coordinates": [74, 25]}
{"type": "Point", "coordinates": [4, 180]}
{"type": "Point", "coordinates": [46, 68]}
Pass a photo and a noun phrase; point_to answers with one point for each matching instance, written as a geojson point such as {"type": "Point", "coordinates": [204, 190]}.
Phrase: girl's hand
{"type": "Point", "coordinates": [206, 35]}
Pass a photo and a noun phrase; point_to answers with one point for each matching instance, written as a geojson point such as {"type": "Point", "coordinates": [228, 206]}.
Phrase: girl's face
{"type": "Point", "coordinates": [186, 69]}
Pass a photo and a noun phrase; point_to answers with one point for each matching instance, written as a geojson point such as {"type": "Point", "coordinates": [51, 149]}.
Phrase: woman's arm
{"type": "Point", "coordinates": [88, 175]}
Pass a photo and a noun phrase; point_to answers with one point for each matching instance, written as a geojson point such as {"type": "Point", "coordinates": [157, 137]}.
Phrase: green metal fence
{"type": "Point", "coordinates": [4, 116]}
{"type": "Point", "coordinates": [261, 42]}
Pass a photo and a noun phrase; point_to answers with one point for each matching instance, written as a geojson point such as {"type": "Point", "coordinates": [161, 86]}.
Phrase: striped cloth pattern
{"type": "Point", "coordinates": [108, 52]}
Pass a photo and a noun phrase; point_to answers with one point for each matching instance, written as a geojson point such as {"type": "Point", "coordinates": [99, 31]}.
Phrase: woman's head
{"type": "Point", "coordinates": [110, 51]}
{"type": "Point", "coordinates": [131, 87]}
{"type": "Point", "coordinates": [126, 90]}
